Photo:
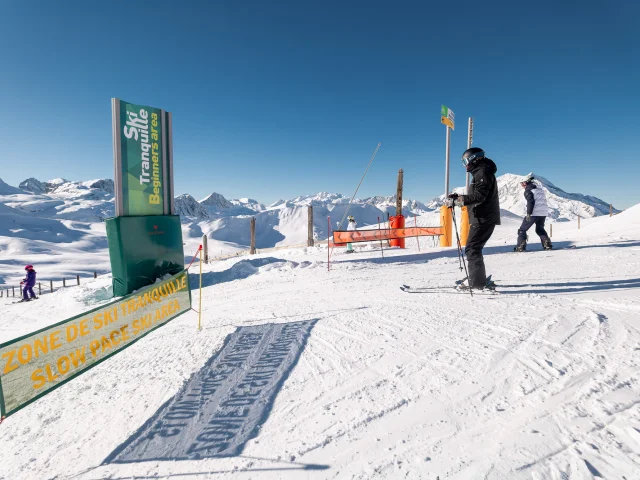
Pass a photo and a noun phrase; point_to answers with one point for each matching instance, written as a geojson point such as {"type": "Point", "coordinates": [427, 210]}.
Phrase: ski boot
{"type": "Point", "coordinates": [464, 284]}
{"type": "Point", "coordinates": [546, 244]}
{"type": "Point", "coordinates": [521, 247]}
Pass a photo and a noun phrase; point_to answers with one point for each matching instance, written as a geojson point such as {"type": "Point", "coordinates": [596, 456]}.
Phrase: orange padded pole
{"type": "Point", "coordinates": [447, 226]}
{"type": "Point", "coordinates": [397, 222]}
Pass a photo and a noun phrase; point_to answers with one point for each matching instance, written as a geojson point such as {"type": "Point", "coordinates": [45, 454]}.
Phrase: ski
{"type": "Point", "coordinates": [489, 290]}
{"type": "Point", "coordinates": [570, 247]}
{"type": "Point", "coordinates": [25, 301]}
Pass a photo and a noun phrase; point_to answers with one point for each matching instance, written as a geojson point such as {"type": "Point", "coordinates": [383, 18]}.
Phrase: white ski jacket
{"type": "Point", "coordinates": [536, 201]}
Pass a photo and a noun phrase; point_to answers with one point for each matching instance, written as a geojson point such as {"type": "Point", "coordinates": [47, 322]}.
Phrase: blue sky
{"type": "Point", "coordinates": [277, 99]}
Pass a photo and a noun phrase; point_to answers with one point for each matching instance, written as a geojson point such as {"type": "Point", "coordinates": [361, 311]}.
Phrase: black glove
{"type": "Point", "coordinates": [528, 218]}
{"type": "Point", "coordinates": [453, 195]}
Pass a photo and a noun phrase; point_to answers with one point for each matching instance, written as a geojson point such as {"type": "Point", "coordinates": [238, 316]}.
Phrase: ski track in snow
{"type": "Point", "coordinates": [541, 381]}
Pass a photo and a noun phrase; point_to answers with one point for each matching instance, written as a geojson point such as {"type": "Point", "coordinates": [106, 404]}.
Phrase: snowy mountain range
{"type": "Point", "coordinates": [563, 206]}
{"type": "Point", "coordinates": [61, 217]}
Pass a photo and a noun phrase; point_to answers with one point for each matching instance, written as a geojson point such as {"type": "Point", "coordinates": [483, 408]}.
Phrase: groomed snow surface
{"type": "Point", "coordinates": [539, 381]}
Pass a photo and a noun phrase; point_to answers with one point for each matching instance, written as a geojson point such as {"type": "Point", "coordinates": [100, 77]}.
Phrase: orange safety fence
{"type": "Point", "coordinates": [355, 236]}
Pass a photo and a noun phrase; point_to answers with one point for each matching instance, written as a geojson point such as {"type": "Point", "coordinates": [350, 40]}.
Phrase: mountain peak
{"type": "Point", "coordinates": [33, 185]}
{"type": "Point", "coordinates": [6, 189]}
{"type": "Point", "coordinates": [216, 200]}
{"type": "Point", "coordinates": [187, 206]}
{"type": "Point", "coordinates": [104, 184]}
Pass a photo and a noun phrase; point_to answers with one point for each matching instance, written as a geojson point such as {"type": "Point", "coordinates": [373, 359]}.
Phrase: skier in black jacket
{"type": "Point", "coordinates": [484, 211]}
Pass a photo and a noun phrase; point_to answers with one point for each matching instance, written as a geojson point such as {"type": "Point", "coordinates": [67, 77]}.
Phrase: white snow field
{"type": "Point", "coordinates": [538, 381]}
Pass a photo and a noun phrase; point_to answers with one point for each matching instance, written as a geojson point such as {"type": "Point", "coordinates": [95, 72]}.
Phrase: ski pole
{"type": "Point", "coordinates": [455, 226]}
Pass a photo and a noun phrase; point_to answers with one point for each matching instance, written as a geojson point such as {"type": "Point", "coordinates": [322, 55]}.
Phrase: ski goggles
{"type": "Point", "coordinates": [466, 161]}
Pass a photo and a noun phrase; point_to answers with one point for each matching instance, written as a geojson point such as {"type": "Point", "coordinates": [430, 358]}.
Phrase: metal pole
{"type": "Point", "coordinates": [469, 143]}
{"type": "Point", "coordinates": [446, 171]}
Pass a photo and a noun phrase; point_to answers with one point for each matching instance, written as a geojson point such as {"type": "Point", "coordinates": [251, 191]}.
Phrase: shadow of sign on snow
{"type": "Point", "coordinates": [223, 405]}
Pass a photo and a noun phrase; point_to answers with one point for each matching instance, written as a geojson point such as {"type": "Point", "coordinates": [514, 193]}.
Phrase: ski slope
{"type": "Point", "coordinates": [541, 381]}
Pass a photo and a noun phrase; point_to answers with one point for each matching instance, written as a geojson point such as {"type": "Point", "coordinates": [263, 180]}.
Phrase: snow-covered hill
{"type": "Point", "coordinates": [563, 206]}
{"type": "Point", "coordinates": [80, 207]}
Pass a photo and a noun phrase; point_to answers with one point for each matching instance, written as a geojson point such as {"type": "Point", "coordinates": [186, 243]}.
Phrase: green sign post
{"type": "Point", "coordinates": [143, 161]}
{"type": "Point", "coordinates": [145, 237]}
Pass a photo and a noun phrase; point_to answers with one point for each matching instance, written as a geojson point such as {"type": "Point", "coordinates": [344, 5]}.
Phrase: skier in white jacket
{"type": "Point", "coordinates": [537, 212]}
{"type": "Point", "coordinates": [351, 226]}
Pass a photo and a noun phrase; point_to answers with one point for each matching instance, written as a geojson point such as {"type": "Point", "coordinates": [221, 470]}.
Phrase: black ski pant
{"type": "Point", "coordinates": [527, 224]}
{"type": "Point", "coordinates": [478, 237]}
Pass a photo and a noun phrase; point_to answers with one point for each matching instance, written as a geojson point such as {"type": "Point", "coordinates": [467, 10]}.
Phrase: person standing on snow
{"type": "Point", "coordinates": [29, 282]}
{"type": "Point", "coordinates": [484, 211]}
{"type": "Point", "coordinates": [351, 226]}
{"type": "Point", "coordinates": [537, 212]}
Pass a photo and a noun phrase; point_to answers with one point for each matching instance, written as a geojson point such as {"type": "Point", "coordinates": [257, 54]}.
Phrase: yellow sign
{"type": "Point", "coordinates": [35, 364]}
{"type": "Point", "coordinates": [447, 117]}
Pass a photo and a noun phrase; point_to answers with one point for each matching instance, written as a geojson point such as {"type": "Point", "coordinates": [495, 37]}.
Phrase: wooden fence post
{"type": "Point", "coordinates": [51, 285]}
{"type": "Point", "coordinates": [578, 222]}
{"type": "Point", "coordinates": [252, 249]}
{"type": "Point", "coordinates": [551, 230]}
{"type": "Point", "coordinates": [399, 193]}
{"type": "Point", "coordinates": [205, 249]}
{"type": "Point", "coordinates": [39, 289]}
{"type": "Point", "coordinates": [78, 277]}
{"type": "Point", "coordinates": [13, 289]}
{"type": "Point", "coordinates": [64, 282]}
{"type": "Point", "coordinates": [95, 274]}
{"type": "Point", "coordinates": [310, 226]}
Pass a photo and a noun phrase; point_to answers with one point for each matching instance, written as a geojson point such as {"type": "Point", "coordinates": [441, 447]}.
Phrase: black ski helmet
{"type": "Point", "coordinates": [471, 156]}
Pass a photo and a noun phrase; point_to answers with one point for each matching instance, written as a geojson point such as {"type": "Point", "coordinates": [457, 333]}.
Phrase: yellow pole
{"type": "Point", "coordinates": [200, 308]}
{"type": "Point", "coordinates": [446, 222]}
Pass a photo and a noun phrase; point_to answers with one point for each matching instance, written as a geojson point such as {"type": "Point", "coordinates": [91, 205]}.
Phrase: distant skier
{"type": "Point", "coordinates": [351, 226]}
{"type": "Point", "coordinates": [537, 212]}
{"type": "Point", "coordinates": [484, 212]}
{"type": "Point", "coordinates": [28, 283]}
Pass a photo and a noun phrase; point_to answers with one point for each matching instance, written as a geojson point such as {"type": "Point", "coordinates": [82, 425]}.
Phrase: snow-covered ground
{"type": "Point", "coordinates": [540, 381]}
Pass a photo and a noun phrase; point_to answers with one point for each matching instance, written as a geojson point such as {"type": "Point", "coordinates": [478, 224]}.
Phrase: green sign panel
{"type": "Point", "coordinates": [447, 117]}
{"type": "Point", "coordinates": [142, 150]}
